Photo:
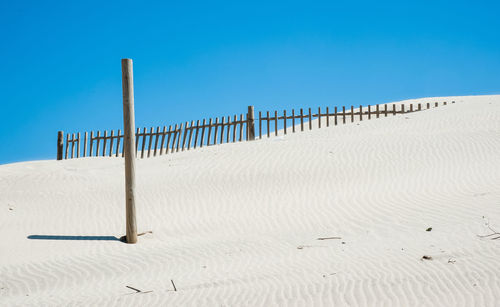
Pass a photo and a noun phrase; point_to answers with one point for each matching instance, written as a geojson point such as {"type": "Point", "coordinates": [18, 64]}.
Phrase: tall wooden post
{"type": "Point", "coordinates": [128, 147]}
{"type": "Point", "coordinates": [60, 143]}
{"type": "Point", "coordinates": [251, 124]}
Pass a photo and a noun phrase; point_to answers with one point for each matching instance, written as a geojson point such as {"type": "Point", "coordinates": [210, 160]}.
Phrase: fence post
{"type": "Point", "coordinates": [128, 148]}
{"type": "Point", "coordinates": [251, 124]}
{"type": "Point", "coordinates": [60, 144]}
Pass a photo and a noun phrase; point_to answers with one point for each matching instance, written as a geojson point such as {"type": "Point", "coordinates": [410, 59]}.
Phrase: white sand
{"type": "Point", "coordinates": [238, 224]}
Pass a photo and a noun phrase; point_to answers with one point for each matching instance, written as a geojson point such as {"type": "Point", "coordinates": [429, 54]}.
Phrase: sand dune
{"type": "Point", "coordinates": [238, 224]}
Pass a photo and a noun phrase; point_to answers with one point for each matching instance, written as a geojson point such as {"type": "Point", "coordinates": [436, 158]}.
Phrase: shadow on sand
{"type": "Point", "coordinates": [73, 238]}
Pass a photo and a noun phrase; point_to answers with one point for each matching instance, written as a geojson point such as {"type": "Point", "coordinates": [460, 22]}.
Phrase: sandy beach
{"type": "Point", "coordinates": [395, 211]}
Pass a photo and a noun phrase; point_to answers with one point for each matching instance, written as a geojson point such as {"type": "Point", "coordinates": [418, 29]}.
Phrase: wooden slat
{"type": "Point", "coordinates": [241, 127]}
{"type": "Point", "coordinates": [335, 116]}
{"type": "Point", "coordinates": [209, 131]}
{"type": "Point", "coordinates": [319, 117]}
{"type": "Point", "coordinates": [284, 122]}
{"type": "Point", "coordinates": [402, 108]}
{"type": "Point", "coordinates": [105, 142]}
{"type": "Point", "coordinates": [268, 120]}
{"type": "Point", "coordinates": [91, 145]}
{"type": "Point", "coordinates": [310, 119]}
{"type": "Point", "coordinates": [276, 123]}
{"type": "Point", "coordinates": [222, 126]}
{"type": "Point", "coordinates": [225, 129]}
{"type": "Point", "coordinates": [60, 145]}
{"type": "Point", "coordinates": [428, 105]}
{"type": "Point", "coordinates": [179, 136]}
{"type": "Point", "coordinates": [85, 144]}
{"type": "Point", "coordinates": [385, 109]}
{"type": "Point", "coordinates": [293, 120]}
{"type": "Point", "coordinates": [216, 129]}
{"type": "Point", "coordinates": [235, 122]}
{"type": "Point", "coordinates": [169, 137]}
{"type": "Point", "coordinates": [394, 109]}
{"type": "Point", "coordinates": [260, 125]}
{"type": "Point", "coordinates": [185, 135]}
{"type": "Point", "coordinates": [420, 107]}
{"type": "Point", "coordinates": [72, 146]}
{"type": "Point", "coordinates": [202, 133]}
{"type": "Point", "coordinates": [444, 103]}
{"type": "Point", "coordinates": [228, 129]}
{"type": "Point", "coordinates": [247, 125]}
{"type": "Point", "coordinates": [343, 114]}
{"type": "Point", "coordinates": [196, 134]}
{"type": "Point", "coordinates": [111, 140]}
{"type": "Point", "coordinates": [67, 146]}
{"type": "Point", "coordinates": [162, 143]}
{"type": "Point", "coordinates": [118, 139]}
{"type": "Point", "coordinates": [360, 113]}
{"type": "Point", "coordinates": [228, 132]}
{"type": "Point", "coordinates": [150, 141]}
{"type": "Point", "coordinates": [137, 138]}
{"type": "Point", "coordinates": [301, 119]}
{"type": "Point", "coordinates": [186, 131]}
{"type": "Point", "coordinates": [229, 124]}
{"type": "Point", "coordinates": [157, 136]}
{"type": "Point", "coordinates": [436, 104]}
{"type": "Point", "coordinates": [173, 137]}
{"type": "Point", "coordinates": [143, 147]}
{"type": "Point", "coordinates": [352, 114]}
{"type": "Point", "coordinates": [369, 112]}
{"type": "Point", "coordinates": [250, 124]}
{"type": "Point", "coordinates": [78, 145]}
{"type": "Point", "coordinates": [176, 137]}
{"type": "Point", "coordinates": [190, 135]}
{"type": "Point", "coordinates": [327, 117]}
{"type": "Point", "coordinates": [411, 107]}
{"type": "Point", "coordinates": [97, 145]}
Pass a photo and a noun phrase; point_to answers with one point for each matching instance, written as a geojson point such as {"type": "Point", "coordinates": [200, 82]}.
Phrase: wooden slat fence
{"type": "Point", "coordinates": [191, 135]}
{"type": "Point", "coordinates": [153, 142]}
{"type": "Point", "coordinates": [271, 123]}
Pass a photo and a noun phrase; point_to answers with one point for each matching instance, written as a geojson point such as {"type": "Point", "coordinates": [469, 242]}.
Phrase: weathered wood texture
{"type": "Point", "coordinates": [250, 124]}
{"type": "Point", "coordinates": [129, 140]}
{"type": "Point", "coordinates": [60, 145]}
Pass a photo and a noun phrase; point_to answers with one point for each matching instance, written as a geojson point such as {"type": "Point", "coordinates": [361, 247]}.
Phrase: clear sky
{"type": "Point", "coordinates": [60, 61]}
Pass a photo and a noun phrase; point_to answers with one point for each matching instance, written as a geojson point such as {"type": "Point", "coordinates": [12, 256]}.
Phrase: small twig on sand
{"type": "Point", "coordinates": [329, 238]}
{"type": "Point", "coordinates": [175, 289]}
{"type": "Point", "coordinates": [138, 291]}
{"type": "Point", "coordinates": [490, 235]}
{"type": "Point", "coordinates": [494, 233]}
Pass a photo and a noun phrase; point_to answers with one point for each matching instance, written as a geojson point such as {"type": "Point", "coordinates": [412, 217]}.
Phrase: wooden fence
{"type": "Point", "coordinates": [230, 129]}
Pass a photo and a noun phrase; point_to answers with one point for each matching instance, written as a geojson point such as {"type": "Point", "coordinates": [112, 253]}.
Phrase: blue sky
{"type": "Point", "coordinates": [61, 70]}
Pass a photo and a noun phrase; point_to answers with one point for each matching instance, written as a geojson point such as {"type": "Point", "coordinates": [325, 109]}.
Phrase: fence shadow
{"type": "Point", "coordinates": [73, 238]}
